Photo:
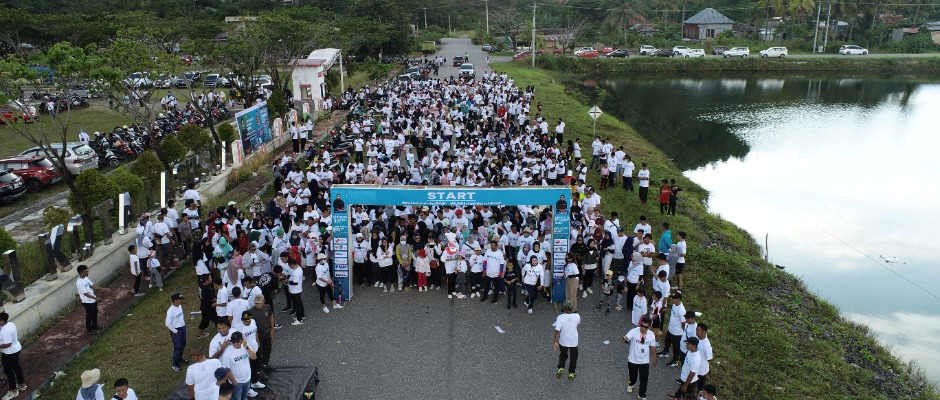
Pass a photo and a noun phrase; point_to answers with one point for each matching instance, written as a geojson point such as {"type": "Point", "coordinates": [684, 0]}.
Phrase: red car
{"type": "Point", "coordinates": [15, 111]}
{"type": "Point", "coordinates": [606, 49]}
{"type": "Point", "coordinates": [35, 171]}
{"type": "Point", "coordinates": [525, 54]}
{"type": "Point", "coordinates": [589, 54]}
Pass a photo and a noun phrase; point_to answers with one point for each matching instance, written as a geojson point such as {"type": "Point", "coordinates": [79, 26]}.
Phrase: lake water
{"type": "Point", "coordinates": [840, 171]}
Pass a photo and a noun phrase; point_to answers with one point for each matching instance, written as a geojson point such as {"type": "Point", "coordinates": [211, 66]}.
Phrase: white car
{"type": "Point", "coordinates": [679, 51]}
{"type": "Point", "coordinates": [853, 49]}
{"type": "Point", "coordinates": [582, 50]}
{"type": "Point", "coordinates": [468, 70]}
{"type": "Point", "coordinates": [780, 52]}
{"type": "Point", "coordinates": [694, 53]}
{"type": "Point", "coordinates": [138, 80]}
{"type": "Point", "coordinates": [742, 52]}
{"type": "Point", "coordinates": [646, 50]}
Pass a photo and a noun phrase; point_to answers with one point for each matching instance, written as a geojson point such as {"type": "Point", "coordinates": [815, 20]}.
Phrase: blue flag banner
{"type": "Point", "coordinates": [343, 196]}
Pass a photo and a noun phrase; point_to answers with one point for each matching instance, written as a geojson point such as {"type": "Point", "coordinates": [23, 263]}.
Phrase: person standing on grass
{"type": "Point", "coordinates": [206, 299]}
{"type": "Point", "coordinates": [90, 389]}
{"type": "Point", "coordinates": [10, 348]}
{"type": "Point", "coordinates": [644, 177]}
{"type": "Point", "coordinates": [673, 196]}
{"type": "Point", "coordinates": [566, 340]}
{"type": "Point", "coordinates": [201, 379]}
{"type": "Point", "coordinates": [664, 192]}
{"type": "Point", "coordinates": [86, 293]}
{"type": "Point", "coordinates": [122, 390]}
{"type": "Point", "coordinates": [135, 269]}
{"type": "Point", "coordinates": [176, 323]}
{"type": "Point", "coordinates": [680, 264]}
{"type": "Point", "coordinates": [627, 174]}
{"type": "Point", "coordinates": [642, 346]}
{"type": "Point", "coordinates": [263, 315]}
{"type": "Point", "coordinates": [705, 351]}
{"type": "Point", "coordinates": [690, 369]}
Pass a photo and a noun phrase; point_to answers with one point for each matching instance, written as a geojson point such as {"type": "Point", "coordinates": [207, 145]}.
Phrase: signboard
{"type": "Point", "coordinates": [254, 127]}
{"type": "Point", "coordinates": [343, 196]}
{"type": "Point", "coordinates": [595, 112]}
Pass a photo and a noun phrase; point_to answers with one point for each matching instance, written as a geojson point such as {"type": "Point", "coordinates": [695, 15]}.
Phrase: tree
{"type": "Point", "coordinates": [619, 19]}
{"type": "Point", "coordinates": [194, 138]}
{"type": "Point", "coordinates": [92, 187]}
{"type": "Point", "coordinates": [506, 21]}
{"type": "Point", "coordinates": [147, 166]}
{"type": "Point", "coordinates": [173, 149]}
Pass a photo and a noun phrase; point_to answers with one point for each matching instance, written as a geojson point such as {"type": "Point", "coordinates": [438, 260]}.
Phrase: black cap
{"type": "Point", "coordinates": [236, 337]}
{"type": "Point", "coordinates": [690, 314]}
{"type": "Point", "coordinates": [692, 340]}
{"type": "Point", "coordinates": [246, 315]}
{"type": "Point", "coordinates": [176, 296]}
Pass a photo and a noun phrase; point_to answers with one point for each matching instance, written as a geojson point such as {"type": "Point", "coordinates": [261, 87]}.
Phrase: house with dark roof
{"type": "Point", "coordinates": [707, 24]}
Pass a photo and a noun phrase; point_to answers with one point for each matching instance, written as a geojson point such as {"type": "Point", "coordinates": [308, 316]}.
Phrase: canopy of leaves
{"type": "Point", "coordinates": [126, 181]}
{"type": "Point", "coordinates": [227, 133]}
{"type": "Point", "coordinates": [147, 166]}
{"type": "Point", "coordinates": [195, 139]}
{"type": "Point", "coordinates": [173, 149]}
{"type": "Point", "coordinates": [94, 187]}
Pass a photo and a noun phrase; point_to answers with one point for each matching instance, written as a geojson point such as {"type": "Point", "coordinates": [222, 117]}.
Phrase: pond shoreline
{"type": "Point", "coordinates": [599, 67]}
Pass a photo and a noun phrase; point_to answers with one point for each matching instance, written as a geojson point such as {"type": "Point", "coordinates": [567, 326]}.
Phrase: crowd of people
{"type": "Point", "coordinates": [482, 132]}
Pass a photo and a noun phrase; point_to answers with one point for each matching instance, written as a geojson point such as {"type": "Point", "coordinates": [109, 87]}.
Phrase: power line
{"type": "Point", "coordinates": [771, 198]}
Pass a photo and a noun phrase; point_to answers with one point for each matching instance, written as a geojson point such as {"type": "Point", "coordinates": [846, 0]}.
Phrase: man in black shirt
{"type": "Point", "coordinates": [268, 282]}
{"type": "Point", "coordinates": [206, 299]}
{"type": "Point", "coordinates": [511, 276]}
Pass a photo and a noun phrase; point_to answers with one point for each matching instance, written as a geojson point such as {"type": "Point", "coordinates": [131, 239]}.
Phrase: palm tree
{"type": "Point", "coordinates": [620, 18]}
{"type": "Point", "coordinates": [801, 8]}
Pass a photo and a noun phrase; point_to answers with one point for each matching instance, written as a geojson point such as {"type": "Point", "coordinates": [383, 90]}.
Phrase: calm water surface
{"type": "Point", "coordinates": [840, 171]}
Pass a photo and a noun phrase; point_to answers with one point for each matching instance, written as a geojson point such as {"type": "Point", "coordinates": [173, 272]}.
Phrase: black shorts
{"type": "Point", "coordinates": [657, 323]}
{"type": "Point", "coordinates": [679, 268]}
{"type": "Point", "coordinates": [644, 193]}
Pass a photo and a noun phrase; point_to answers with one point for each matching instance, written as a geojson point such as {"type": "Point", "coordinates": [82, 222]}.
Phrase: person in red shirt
{"type": "Point", "coordinates": [664, 192]}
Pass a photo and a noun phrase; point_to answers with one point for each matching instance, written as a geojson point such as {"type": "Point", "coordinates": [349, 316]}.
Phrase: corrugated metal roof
{"type": "Point", "coordinates": [709, 16]}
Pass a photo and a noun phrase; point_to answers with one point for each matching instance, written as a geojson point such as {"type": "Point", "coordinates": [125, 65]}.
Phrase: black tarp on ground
{"type": "Point", "coordinates": [284, 383]}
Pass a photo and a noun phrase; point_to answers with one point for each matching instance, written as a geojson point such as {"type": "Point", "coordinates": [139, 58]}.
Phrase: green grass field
{"type": "Point", "coordinates": [771, 337]}
{"type": "Point", "coordinates": [90, 119]}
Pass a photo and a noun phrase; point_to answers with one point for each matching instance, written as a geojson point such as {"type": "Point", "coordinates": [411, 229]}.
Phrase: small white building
{"type": "Point", "coordinates": [309, 76]}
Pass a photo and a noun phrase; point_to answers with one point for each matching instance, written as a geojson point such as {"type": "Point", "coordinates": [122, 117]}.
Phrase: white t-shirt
{"type": "Point", "coordinates": [250, 332]}
{"type": "Point", "coordinates": [680, 248]}
{"type": "Point", "coordinates": [693, 363]}
{"type": "Point", "coordinates": [237, 360]}
{"type": "Point", "coordinates": [641, 346]}
{"type": "Point", "coordinates": [676, 318]}
{"type": "Point", "coordinates": [202, 377]}
{"type": "Point", "coordinates": [644, 173]}
{"type": "Point", "coordinates": [131, 394]}
{"type": "Point", "coordinates": [135, 264]}
{"type": "Point", "coordinates": [705, 351]}
{"type": "Point", "coordinates": [84, 285]}
{"type": "Point", "coordinates": [567, 326]}
{"type": "Point", "coordinates": [162, 232]}
{"type": "Point", "coordinates": [8, 334]}
{"type": "Point", "coordinates": [236, 307]}
{"type": "Point", "coordinates": [296, 275]}
{"type": "Point", "coordinates": [221, 297]}
{"type": "Point", "coordinates": [323, 272]}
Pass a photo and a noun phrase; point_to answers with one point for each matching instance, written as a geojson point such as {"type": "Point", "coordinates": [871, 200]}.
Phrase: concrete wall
{"type": "Point", "coordinates": [47, 299]}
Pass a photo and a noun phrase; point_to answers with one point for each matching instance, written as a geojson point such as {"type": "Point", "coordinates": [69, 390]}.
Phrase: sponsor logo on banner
{"type": "Point", "coordinates": [340, 247]}
{"type": "Point", "coordinates": [562, 219]}
{"type": "Point", "coordinates": [341, 274]}
{"type": "Point", "coordinates": [561, 242]}
{"type": "Point", "coordinates": [340, 240]}
{"type": "Point", "coordinates": [560, 249]}
{"type": "Point", "coordinates": [341, 267]}
{"type": "Point", "coordinates": [558, 260]}
{"type": "Point", "coordinates": [341, 254]}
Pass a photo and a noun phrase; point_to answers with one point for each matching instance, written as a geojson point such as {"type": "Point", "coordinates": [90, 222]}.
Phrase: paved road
{"type": "Point", "coordinates": [422, 345]}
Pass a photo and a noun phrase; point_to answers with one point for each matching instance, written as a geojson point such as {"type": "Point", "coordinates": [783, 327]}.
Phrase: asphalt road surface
{"type": "Point", "coordinates": [421, 345]}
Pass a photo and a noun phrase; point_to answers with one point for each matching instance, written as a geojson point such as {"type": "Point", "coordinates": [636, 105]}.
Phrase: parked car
{"type": "Point", "coordinates": [14, 110]}
{"type": "Point", "coordinates": [588, 54]}
{"type": "Point", "coordinates": [780, 52]}
{"type": "Point", "coordinates": [487, 47]}
{"type": "Point", "coordinates": [524, 54]}
{"type": "Point", "coordinates": [719, 50]}
{"type": "Point", "coordinates": [11, 186]}
{"type": "Point", "coordinates": [78, 156]}
{"type": "Point", "coordinates": [646, 50]}
{"type": "Point", "coordinates": [211, 81]}
{"type": "Point", "coordinates": [606, 49]}
{"type": "Point", "coordinates": [742, 52]}
{"type": "Point", "coordinates": [467, 69]}
{"type": "Point", "coordinates": [853, 49]}
{"type": "Point", "coordinates": [138, 80]}
{"type": "Point", "coordinates": [694, 53]}
{"type": "Point", "coordinates": [663, 53]}
{"type": "Point", "coordinates": [679, 50]}
{"type": "Point", "coordinates": [405, 78]}
{"type": "Point", "coordinates": [458, 61]}
{"type": "Point", "coordinates": [581, 50]}
{"type": "Point", "coordinates": [164, 81]}
{"type": "Point", "coordinates": [619, 53]}
{"type": "Point", "coordinates": [35, 171]}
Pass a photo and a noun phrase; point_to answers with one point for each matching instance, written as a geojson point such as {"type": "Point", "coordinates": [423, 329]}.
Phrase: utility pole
{"type": "Point", "coordinates": [534, 6]}
{"type": "Point", "coordinates": [816, 31]}
{"type": "Point", "coordinates": [487, 2]}
{"type": "Point", "coordinates": [828, 16]}
{"type": "Point", "coordinates": [425, 17]}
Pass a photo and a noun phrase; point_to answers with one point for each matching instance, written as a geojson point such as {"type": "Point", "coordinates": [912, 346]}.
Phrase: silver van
{"type": "Point", "coordinates": [78, 156]}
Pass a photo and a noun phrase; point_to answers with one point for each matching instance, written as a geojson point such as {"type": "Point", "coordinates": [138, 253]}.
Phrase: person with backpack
{"type": "Point", "coordinates": [90, 389]}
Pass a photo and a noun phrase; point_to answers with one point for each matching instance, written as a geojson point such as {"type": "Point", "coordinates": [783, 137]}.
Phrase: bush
{"type": "Point", "coordinates": [173, 149]}
{"type": "Point", "coordinates": [52, 216]}
{"type": "Point", "coordinates": [6, 241]}
{"type": "Point", "coordinates": [375, 69]}
{"type": "Point", "coordinates": [125, 181]}
{"type": "Point", "coordinates": [244, 172]}
{"type": "Point", "coordinates": [227, 132]}
{"type": "Point", "coordinates": [94, 187]}
{"type": "Point", "coordinates": [147, 166]}
{"type": "Point", "coordinates": [195, 139]}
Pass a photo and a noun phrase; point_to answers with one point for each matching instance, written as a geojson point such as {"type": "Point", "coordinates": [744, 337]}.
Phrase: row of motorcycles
{"type": "Point", "coordinates": [61, 103]}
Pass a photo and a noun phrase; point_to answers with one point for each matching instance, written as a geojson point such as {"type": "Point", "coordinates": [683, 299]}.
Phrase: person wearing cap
{"type": "Point", "coordinates": [153, 265]}
{"type": "Point", "coordinates": [475, 262]}
{"type": "Point", "coordinates": [237, 356]}
{"type": "Point", "coordinates": [91, 389]}
{"type": "Point", "coordinates": [263, 315]}
{"type": "Point", "coordinates": [573, 280]}
{"type": "Point", "coordinates": [295, 280]}
{"type": "Point", "coordinates": [86, 293]}
{"type": "Point", "coordinates": [324, 284]}
{"type": "Point", "coordinates": [122, 390]}
{"type": "Point", "coordinates": [10, 349]}
{"type": "Point", "coordinates": [566, 340]}
{"type": "Point", "coordinates": [642, 346]}
{"type": "Point", "coordinates": [494, 263]}
{"type": "Point", "coordinates": [176, 322]}
{"type": "Point", "coordinates": [360, 252]}
{"type": "Point", "coordinates": [688, 331]}
{"type": "Point", "coordinates": [689, 372]}
{"type": "Point", "coordinates": [674, 331]}
{"type": "Point", "coordinates": [249, 330]}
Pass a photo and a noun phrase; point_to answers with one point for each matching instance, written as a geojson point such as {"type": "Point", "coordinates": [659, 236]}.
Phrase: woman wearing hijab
{"type": "Point", "coordinates": [607, 252]}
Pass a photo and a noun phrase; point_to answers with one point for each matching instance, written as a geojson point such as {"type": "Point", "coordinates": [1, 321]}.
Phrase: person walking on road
{"type": "Point", "coordinates": [86, 293]}
{"type": "Point", "coordinates": [566, 340]}
{"type": "Point", "coordinates": [10, 348]}
{"type": "Point", "coordinates": [640, 354]}
{"type": "Point", "coordinates": [176, 323]}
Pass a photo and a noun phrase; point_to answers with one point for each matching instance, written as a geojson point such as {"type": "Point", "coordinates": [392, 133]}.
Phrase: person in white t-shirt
{"type": "Point", "coordinates": [237, 357]}
{"type": "Point", "coordinates": [86, 293]}
{"type": "Point", "coordinates": [705, 350]}
{"type": "Point", "coordinates": [680, 264]}
{"type": "Point", "coordinates": [10, 348]}
{"type": "Point", "coordinates": [644, 177]}
{"type": "Point", "coordinates": [201, 380]}
{"type": "Point", "coordinates": [123, 391]}
{"type": "Point", "coordinates": [176, 322]}
{"type": "Point", "coordinates": [627, 174]}
{"type": "Point", "coordinates": [642, 351]}
{"type": "Point", "coordinates": [566, 340]}
{"type": "Point", "coordinates": [690, 370]}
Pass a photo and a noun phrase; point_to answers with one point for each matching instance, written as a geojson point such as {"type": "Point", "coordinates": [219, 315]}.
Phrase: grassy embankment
{"type": "Point", "coordinates": [771, 337]}
{"type": "Point", "coordinates": [604, 66]}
